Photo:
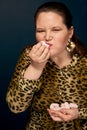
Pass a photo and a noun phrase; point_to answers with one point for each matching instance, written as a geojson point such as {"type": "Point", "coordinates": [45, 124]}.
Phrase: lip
{"type": "Point", "coordinates": [49, 44]}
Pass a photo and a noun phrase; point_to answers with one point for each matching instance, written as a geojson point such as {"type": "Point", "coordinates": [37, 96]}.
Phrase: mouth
{"type": "Point", "coordinates": [46, 44]}
{"type": "Point", "coordinates": [49, 44]}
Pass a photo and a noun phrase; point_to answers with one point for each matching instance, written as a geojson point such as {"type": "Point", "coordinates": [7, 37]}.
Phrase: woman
{"type": "Point", "coordinates": [52, 71]}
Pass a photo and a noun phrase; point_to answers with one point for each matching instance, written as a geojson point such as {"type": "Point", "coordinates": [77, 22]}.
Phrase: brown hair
{"type": "Point", "coordinates": [60, 8]}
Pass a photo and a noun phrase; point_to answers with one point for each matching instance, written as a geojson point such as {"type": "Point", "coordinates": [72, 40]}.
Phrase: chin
{"type": "Point", "coordinates": [53, 53]}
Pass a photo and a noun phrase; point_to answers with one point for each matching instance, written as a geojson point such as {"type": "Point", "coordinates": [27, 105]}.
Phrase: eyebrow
{"type": "Point", "coordinates": [51, 27]}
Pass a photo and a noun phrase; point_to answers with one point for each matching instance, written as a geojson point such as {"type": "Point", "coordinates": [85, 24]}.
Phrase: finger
{"type": "Point", "coordinates": [65, 116]}
{"type": "Point", "coordinates": [64, 110]}
{"type": "Point", "coordinates": [59, 114]}
{"type": "Point", "coordinates": [36, 47]}
{"type": "Point", "coordinates": [41, 51]}
{"type": "Point", "coordinates": [46, 54]}
{"type": "Point", "coordinates": [56, 118]}
{"type": "Point", "coordinates": [53, 113]}
{"type": "Point", "coordinates": [36, 51]}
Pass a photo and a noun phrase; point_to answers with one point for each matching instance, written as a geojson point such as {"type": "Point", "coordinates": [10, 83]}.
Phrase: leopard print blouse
{"type": "Point", "coordinates": [68, 84]}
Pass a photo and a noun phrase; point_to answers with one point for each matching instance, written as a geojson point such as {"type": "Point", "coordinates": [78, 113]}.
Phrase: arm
{"type": "Point", "coordinates": [27, 77]}
{"type": "Point", "coordinates": [81, 111]}
{"type": "Point", "coordinates": [83, 93]}
{"type": "Point", "coordinates": [21, 90]}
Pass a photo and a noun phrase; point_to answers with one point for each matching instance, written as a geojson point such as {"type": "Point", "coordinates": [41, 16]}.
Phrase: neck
{"type": "Point", "coordinates": [62, 60]}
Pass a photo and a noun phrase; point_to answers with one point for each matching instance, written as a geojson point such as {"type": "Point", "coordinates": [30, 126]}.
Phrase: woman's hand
{"type": "Point", "coordinates": [39, 55]}
{"type": "Point", "coordinates": [64, 114]}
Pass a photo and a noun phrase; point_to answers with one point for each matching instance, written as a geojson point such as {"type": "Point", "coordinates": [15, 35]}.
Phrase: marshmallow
{"type": "Point", "coordinates": [43, 43]}
{"type": "Point", "coordinates": [54, 106]}
{"type": "Point", "coordinates": [65, 105]}
{"type": "Point", "coordinates": [73, 105]}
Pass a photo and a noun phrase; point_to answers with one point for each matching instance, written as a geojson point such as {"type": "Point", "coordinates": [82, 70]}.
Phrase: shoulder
{"type": "Point", "coordinates": [27, 48]}
{"type": "Point", "coordinates": [82, 61]}
{"type": "Point", "coordinates": [81, 66]}
{"type": "Point", "coordinates": [24, 54]}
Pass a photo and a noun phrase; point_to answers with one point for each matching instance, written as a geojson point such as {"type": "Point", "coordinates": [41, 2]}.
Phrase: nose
{"type": "Point", "coordinates": [48, 36]}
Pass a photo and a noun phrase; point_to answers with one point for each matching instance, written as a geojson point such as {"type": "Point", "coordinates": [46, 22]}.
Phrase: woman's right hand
{"type": "Point", "coordinates": [39, 55]}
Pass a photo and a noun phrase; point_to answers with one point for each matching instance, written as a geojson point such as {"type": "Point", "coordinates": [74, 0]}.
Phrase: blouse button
{"type": "Point", "coordinates": [61, 72]}
{"type": "Point", "coordinates": [60, 93]}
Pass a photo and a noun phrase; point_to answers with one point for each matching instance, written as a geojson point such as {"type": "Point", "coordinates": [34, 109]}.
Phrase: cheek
{"type": "Point", "coordinates": [61, 46]}
{"type": "Point", "coordinates": [39, 37]}
{"type": "Point", "coordinates": [61, 41]}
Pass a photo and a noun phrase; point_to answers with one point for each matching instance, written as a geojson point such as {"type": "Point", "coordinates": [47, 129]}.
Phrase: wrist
{"type": "Point", "coordinates": [33, 72]}
{"type": "Point", "coordinates": [37, 66]}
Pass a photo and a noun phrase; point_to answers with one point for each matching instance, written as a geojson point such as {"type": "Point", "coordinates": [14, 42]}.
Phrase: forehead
{"type": "Point", "coordinates": [54, 13]}
{"type": "Point", "coordinates": [49, 18]}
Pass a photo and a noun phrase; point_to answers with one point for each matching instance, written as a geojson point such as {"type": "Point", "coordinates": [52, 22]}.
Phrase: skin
{"type": "Point", "coordinates": [51, 29]}
{"type": "Point", "coordinates": [55, 32]}
{"type": "Point", "coordinates": [63, 114]}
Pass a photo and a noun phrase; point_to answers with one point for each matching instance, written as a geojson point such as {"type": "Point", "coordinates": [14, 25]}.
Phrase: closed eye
{"type": "Point", "coordinates": [56, 30]}
{"type": "Point", "coordinates": [39, 31]}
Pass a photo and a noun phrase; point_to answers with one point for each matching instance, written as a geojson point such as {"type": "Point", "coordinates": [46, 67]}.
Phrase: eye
{"type": "Point", "coordinates": [39, 31]}
{"type": "Point", "coordinates": [56, 30]}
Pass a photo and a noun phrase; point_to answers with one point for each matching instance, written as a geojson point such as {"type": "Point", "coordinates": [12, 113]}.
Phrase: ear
{"type": "Point", "coordinates": [71, 32]}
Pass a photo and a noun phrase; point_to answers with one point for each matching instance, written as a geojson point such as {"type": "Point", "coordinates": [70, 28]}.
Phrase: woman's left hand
{"type": "Point", "coordinates": [64, 114]}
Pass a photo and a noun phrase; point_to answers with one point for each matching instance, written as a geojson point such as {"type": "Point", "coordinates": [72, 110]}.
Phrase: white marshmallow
{"type": "Point", "coordinates": [65, 105]}
{"type": "Point", "coordinates": [54, 106]}
{"type": "Point", "coordinates": [43, 43]}
{"type": "Point", "coordinates": [73, 105]}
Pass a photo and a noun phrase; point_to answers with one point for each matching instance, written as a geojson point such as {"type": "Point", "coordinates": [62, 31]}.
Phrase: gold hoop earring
{"type": "Point", "coordinates": [70, 46]}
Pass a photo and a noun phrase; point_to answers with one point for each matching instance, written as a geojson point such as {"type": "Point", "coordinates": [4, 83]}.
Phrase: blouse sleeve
{"type": "Point", "coordinates": [83, 113]}
{"type": "Point", "coordinates": [83, 102]}
{"type": "Point", "coordinates": [21, 91]}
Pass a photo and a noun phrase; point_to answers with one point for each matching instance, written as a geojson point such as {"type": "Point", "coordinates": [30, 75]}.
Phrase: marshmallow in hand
{"type": "Point", "coordinates": [65, 105]}
{"type": "Point", "coordinates": [55, 106]}
{"type": "Point", "coordinates": [73, 105]}
{"type": "Point", "coordinates": [43, 43]}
